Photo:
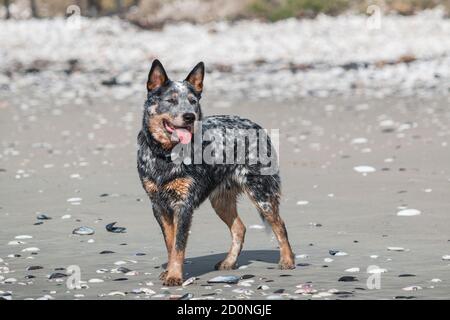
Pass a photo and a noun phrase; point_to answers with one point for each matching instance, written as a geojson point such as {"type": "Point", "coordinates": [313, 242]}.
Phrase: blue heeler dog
{"type": "Point", "coordinates": [172, 117]}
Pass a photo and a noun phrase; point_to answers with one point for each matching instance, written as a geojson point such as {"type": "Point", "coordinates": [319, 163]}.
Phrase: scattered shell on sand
{"type": "Point", "coordinates": [446, 257]}
{"type": "Point", "coordinates": [412, 288]}
{"type": "Point", "coordinates": [256, 226]}
{"type": "Point", "coordinates": [364, 169]}
{"type": "Point", "coordinates": [23, 237]}
{"type": "Point", "coordinates": [189, 281]}
{"type": "Point", "coordinates": [408, 212]}
{"type": "Point", "coordinates": [399, 249]}
{"type": "Point", "coordinates": [224, 279]}
{"type": "Point", "coordinates": [31, 249]}
{"type": "Point", "coordinates": [356, 269]}
{"type": "Point", "coordinates": [83, 231]}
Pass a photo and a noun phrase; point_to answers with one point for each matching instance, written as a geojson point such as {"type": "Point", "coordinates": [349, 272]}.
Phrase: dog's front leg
{"type": "Point", "coordinates": [165, 221]}
{"type": "Point", "coordinates": [182, 223]}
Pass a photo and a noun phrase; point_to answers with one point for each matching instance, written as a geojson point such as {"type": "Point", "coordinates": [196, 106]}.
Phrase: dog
{"type": "Point", "coordinates": [172, 116]}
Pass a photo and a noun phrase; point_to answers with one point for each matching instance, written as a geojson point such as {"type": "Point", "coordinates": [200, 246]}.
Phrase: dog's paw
{"type": "Point", "coordinates": [286, 264]}
{"type": "Point", "coordinates": [173, 281]}
{"type": "Point", "coordinates": [222, 265]}
{"type": "Point", "coordinates": [163, 275]}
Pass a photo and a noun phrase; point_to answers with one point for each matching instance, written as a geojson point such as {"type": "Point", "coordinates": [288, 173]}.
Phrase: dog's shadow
{"type": "Point", "coordinates": [197, 266]}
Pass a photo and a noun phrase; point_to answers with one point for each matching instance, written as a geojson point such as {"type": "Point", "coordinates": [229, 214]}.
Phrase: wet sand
{"type": "Point", "coordinates": [56, 150]}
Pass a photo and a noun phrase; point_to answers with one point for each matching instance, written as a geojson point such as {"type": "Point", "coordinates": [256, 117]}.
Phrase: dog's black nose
{"type": "Point", "coordinates": [189, 117]}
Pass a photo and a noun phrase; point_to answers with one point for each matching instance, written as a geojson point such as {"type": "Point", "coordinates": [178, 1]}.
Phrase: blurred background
{"type": "Point", "coordinates": [153, 13]}
{"type": "Point", "coordinates": [279, 48]}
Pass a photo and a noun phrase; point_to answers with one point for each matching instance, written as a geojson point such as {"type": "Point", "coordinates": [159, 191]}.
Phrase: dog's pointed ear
{"type": "Point", "coordinates": [196, 76]}
{"type": "Point", "coordinates": [157, 76]}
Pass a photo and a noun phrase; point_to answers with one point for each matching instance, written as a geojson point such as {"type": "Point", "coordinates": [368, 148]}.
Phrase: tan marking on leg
{"type": "Point", "coordinates": [272, 216]}
{"type": "Point", "coordinates": [179, 186]}
{"type": "Point", "coordinates": [167, 227]}
{"type": "Point", "coordinates": [174, 275]}
{"type": "Point", "coordinates": [224, 203]}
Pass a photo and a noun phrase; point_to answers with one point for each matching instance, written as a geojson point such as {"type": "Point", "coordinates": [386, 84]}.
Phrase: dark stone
{"type": "Point", "coordinates": [279, 291]}
{"type": "Point", "coordinates": [348, 279]}
{"type": "Point", "coordinates": [31, 268]}
{"type": "Point", "coordinates": [57, 275]}
{"type": "Point", "coordinates": [120, 279]}
{"type": "Point", "coordinates": [106, 252]}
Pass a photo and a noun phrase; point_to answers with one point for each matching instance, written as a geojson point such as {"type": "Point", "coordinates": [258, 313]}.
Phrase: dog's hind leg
{"type": "Point", "coordinates": [264, 191]}
{"type": "Point", "coordinates": [224, 203]}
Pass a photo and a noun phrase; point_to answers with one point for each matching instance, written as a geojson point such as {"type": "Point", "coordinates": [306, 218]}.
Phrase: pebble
{"type": "Point", "coordinates": [31, 268]}
{"type": "Point", "coordinates": [145, 291]}
{"type": "Point", "coordinates": [16, 243]}
{"type": "Point", "coordinates": [23, 237]}
{"type": "Point", "coordinates": [408, 212]}
{"type": "Point", "coordinates": [83, 231]}
{"type": "Point", "coordinates": [337, 253]}
{"type": "Point", "coordinates": [446, 257]}
{"type": "Point", "coordinates": [356, 269]}
{"type": "Point", "coordinates": [31, 249]}
{"type": "Point", "coordinates": [66, 216]}
{"type": "Point", "coordinates": [435, 280]}
{"type": "Point", "coordinates": [117, 293]}
{"type": "Point", "coordinates": [57, 275]}
{"type": "Point", "coordinates": [43, 217]}
{"type": "Point", "coordinates": [348, 279]}
{"type": "Point", "coordinates": [364, 169]}
{"type": "Point", "coordinates": [95, 280]}
{"type": "Point", "coordinates": [256, 226]}
{"type": "Point", "coordinates": [412, 288]}
{"type": "Point", "coordinates": [399, 249]}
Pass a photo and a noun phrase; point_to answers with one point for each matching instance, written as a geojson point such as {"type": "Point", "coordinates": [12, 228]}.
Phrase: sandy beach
{"type": "Point", "coordinates": [348, 166]}
{"type": "Point", "coordinates": [364, 122]}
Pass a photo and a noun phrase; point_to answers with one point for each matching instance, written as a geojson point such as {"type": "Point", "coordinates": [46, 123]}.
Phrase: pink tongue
{"type": "Point", "coordinates": [184, 135]}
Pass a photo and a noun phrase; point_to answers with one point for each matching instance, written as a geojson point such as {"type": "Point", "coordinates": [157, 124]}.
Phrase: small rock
{"type": "Point", "coordinates": [412, 288]}
{"type": "Point", "coordinates": [31, 268]}
{"type": "Point", "coordinates": [408, 212]}
{"type": "Point", "coordinates": [43, 217]}
{"type": "Point", "coordinates": [57, 275]}
{"type": "Point", "coordinates": [348, 279]}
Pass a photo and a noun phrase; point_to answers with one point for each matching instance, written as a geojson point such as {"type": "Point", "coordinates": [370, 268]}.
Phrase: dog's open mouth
{"type": "Point", "coordinates": [182, 134]}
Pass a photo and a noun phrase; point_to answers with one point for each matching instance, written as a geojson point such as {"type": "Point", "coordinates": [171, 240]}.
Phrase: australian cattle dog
{"type": "Point", "coordinates": [173, 119]}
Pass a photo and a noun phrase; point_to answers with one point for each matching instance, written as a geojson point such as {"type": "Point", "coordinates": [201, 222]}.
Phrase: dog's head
{"type": "Point", "coordinates": [173, 108]}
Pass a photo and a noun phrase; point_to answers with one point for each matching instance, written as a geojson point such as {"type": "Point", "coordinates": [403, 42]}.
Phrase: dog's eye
{"type": "Point", "coordinates": [192, 101]}
{"type": "Point", "coordinates": [171, 100]}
